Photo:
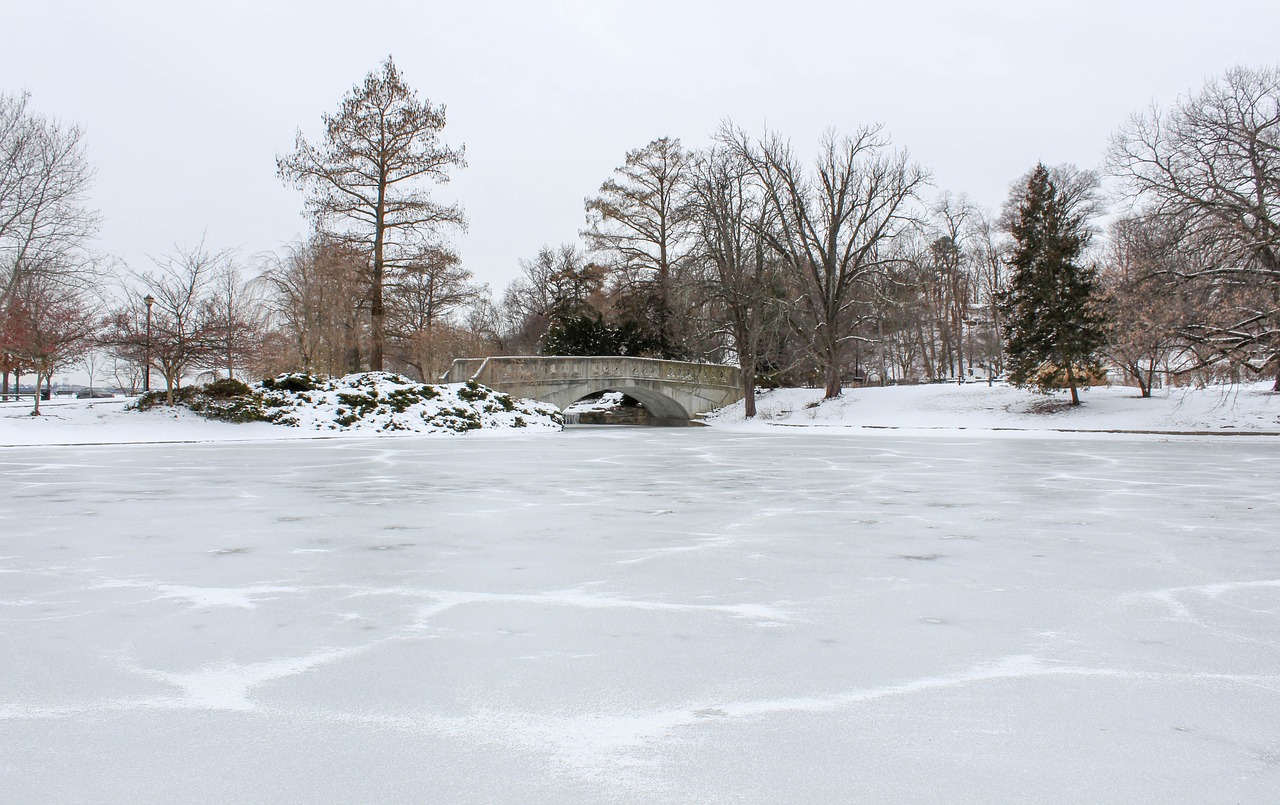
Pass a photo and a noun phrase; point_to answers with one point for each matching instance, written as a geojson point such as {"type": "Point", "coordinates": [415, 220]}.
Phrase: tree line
{"type": "Point", "coordinates": [849, 267]}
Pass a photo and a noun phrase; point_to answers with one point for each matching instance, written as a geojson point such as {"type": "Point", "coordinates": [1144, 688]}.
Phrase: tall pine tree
{"type": "Point", "coordinates": [1052, 329]}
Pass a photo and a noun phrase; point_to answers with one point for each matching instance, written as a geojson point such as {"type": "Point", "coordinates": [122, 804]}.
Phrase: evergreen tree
{"type": "Point", "coordinates": [587, 333]}
{"type": "Point", "coordinates": [1052, 329]}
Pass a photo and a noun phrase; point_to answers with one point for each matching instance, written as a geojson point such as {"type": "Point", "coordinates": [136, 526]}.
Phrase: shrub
{"type": "Point", "coordinates": [293, 381]}
{"type": "Point", "coordinates": [347, 418]}
{"type": "Point", "coordinates": [247, 408]}
{"type": "Point", "coordinates": [183, 396]}
{"type": "Point", "coordinates": [457, 419]}
{"type": "Point", "coordinates": [226, 388]}
{"type": "Point", "coordinates": [472, 391]}
{"type": "Point", "coordinates": [361, 404]}
{"type": "Point", "coordinates": [401, 400]}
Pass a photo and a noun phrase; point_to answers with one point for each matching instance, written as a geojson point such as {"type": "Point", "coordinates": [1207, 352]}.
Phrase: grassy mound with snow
{"type": "Point", "coordinates": [369, 401]}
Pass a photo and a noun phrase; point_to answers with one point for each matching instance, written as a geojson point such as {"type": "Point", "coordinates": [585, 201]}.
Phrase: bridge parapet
{"type": "Point", "coordinates": [462, 370]}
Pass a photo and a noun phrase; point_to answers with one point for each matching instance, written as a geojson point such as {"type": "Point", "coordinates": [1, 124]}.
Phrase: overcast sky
{"type": "Point", "coordinates": [185, 106]}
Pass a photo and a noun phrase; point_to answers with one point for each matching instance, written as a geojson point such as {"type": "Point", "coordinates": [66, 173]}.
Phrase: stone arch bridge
{"type": "Point", "coordinates": [672, 391]}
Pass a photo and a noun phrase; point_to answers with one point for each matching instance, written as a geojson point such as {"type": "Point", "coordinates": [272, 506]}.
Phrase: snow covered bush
{"type": "Point", "coordinates": [373, 401]}
{"type": "Point", "coordinates": [291, 381]}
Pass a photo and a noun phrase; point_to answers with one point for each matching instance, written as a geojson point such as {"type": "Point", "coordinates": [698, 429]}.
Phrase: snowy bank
{"type": "Point", "coordinates": [938, 408]}
{"type": "Point", "coordinates": [297, 407]}
{"type": "Point", "coordinates": [1249, 408]}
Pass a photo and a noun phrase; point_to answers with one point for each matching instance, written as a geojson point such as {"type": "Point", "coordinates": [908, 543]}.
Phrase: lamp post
{"type": "Point", "coordinates": [146, 369]}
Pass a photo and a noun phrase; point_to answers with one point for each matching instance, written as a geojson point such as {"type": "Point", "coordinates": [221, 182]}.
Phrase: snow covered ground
{"type": "Point", "coordinates": [937, 408]}
{"type": "Point", "coordinates": [743, 613]}
{"type": "Point", "coordinates": [1248, 408]}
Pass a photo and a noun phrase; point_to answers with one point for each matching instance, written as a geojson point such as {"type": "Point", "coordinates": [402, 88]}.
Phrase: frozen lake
{"type": "Point", "coordinates": [642, 615]}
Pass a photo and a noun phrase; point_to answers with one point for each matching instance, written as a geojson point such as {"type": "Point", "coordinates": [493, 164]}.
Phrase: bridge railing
{"type": "Point", "coordinates": [462, 370]}
{"type": "Point", "coordinates": [535, 369]}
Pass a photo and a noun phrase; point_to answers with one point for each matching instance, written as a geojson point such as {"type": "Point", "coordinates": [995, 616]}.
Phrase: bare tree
{"type": "Point", "coordinates": [1213, 162]}
{"type": "Point", "coordinates": [730, 217]}
{"type": "Point", "coordinates": [639, 217]}
{"type": "Point", "coordinates": [486, 326]}
{"type": "Point", "coordinates": [235, 318]}
{"type": "Point", "coordinates": [365, 182]}
{"type": "Point", "coordinates": [47, 325]}
{"type": "Point", "coordinates": [180, 334]}
{"type": "Point", "coordinates": [315, 297]}
{"type": "Point", "coordinates": [992, 281]}
{"type": "Point", "coordinates": [1147, 308]}
{"type": "Point", "coordinates": [126, 373]}
{"type": "Point", "coordinates": [45, 221]}
{"type": "Point", "coordinates": [834, 228]}
{"type": "Point", "coordinates": [91, 361]}
{"type": "Point", "coordinates": [425, 295]}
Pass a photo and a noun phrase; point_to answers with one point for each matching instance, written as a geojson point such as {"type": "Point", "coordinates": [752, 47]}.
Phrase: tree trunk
{"type": "Point", "coordinates": [377, 311]}
{"type": "Point", "coordinates": [1071, 381]}
{"type": "Point", "coordinates": [36, 410]}
{"type": "Point", "coordinates": [748, 393]}
{"type": "Point", "coordinates": [832, 389]}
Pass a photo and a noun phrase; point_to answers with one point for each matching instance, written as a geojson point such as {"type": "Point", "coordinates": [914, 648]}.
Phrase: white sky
{"type": "Point", "coordinates": [185, 110]}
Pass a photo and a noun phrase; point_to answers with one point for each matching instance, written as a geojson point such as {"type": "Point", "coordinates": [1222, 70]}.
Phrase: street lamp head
{"type": "Point", "coordinates": [149, 299]}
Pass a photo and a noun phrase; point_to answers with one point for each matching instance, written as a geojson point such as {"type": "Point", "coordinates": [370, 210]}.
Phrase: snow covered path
{"type": "Point", "coordinates": [642, 615]}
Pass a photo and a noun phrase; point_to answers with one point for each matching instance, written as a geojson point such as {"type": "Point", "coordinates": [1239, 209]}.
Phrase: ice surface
{"type": "Point", "coordinates": [642, 615]}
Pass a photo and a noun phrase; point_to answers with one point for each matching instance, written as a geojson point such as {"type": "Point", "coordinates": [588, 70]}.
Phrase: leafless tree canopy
{"type": "Point", "coordinates": [366, 181]}
{"type": "Point", "coordinates": [834, 227]}
{"type": "Point", "coordinates": [639, 219]}
{"type": "Point", "coordinates": [189, 328]}
{"type": "Point", "coordinates": [1148, 307]}
{"type": "Point", "coordinates": [317, 297]}
{"type": "Point", "coordinates": [425, 297]}
{"type": "Point", "coordinates": [746, 282]}
{"type": "Point", "coordinates": [45, 220]}
{"type": "Point", "coordinates": [1211, 164]}
{"type": "Point", "coordinates": [46, 325]}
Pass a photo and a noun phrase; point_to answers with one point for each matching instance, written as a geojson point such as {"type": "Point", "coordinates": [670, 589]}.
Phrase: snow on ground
{"type": "Point", "coordinates": [64, 421]}
{"type": "Point", "coordinates": [383, 402]}
{"type": "Point", "coordinates": [605, 402]}
{"type": "Point", "coordinates": [1248, 408]}
{"type": "Point", "coordinates": [356, 405]}
{"type": "Point", "coordinates": [933, 408]}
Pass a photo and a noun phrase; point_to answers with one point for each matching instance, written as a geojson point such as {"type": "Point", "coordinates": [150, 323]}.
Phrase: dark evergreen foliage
{"type": "Point", "coordinates": [292, 381]}
{"type": "Point", "coordinates": [589, 334]}
{"type": "Point", "coordinates": [1053, 328]}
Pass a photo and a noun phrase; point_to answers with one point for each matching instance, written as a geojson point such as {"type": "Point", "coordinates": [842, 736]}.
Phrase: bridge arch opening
{"type": "Point", "coordinates": [662, 409]}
